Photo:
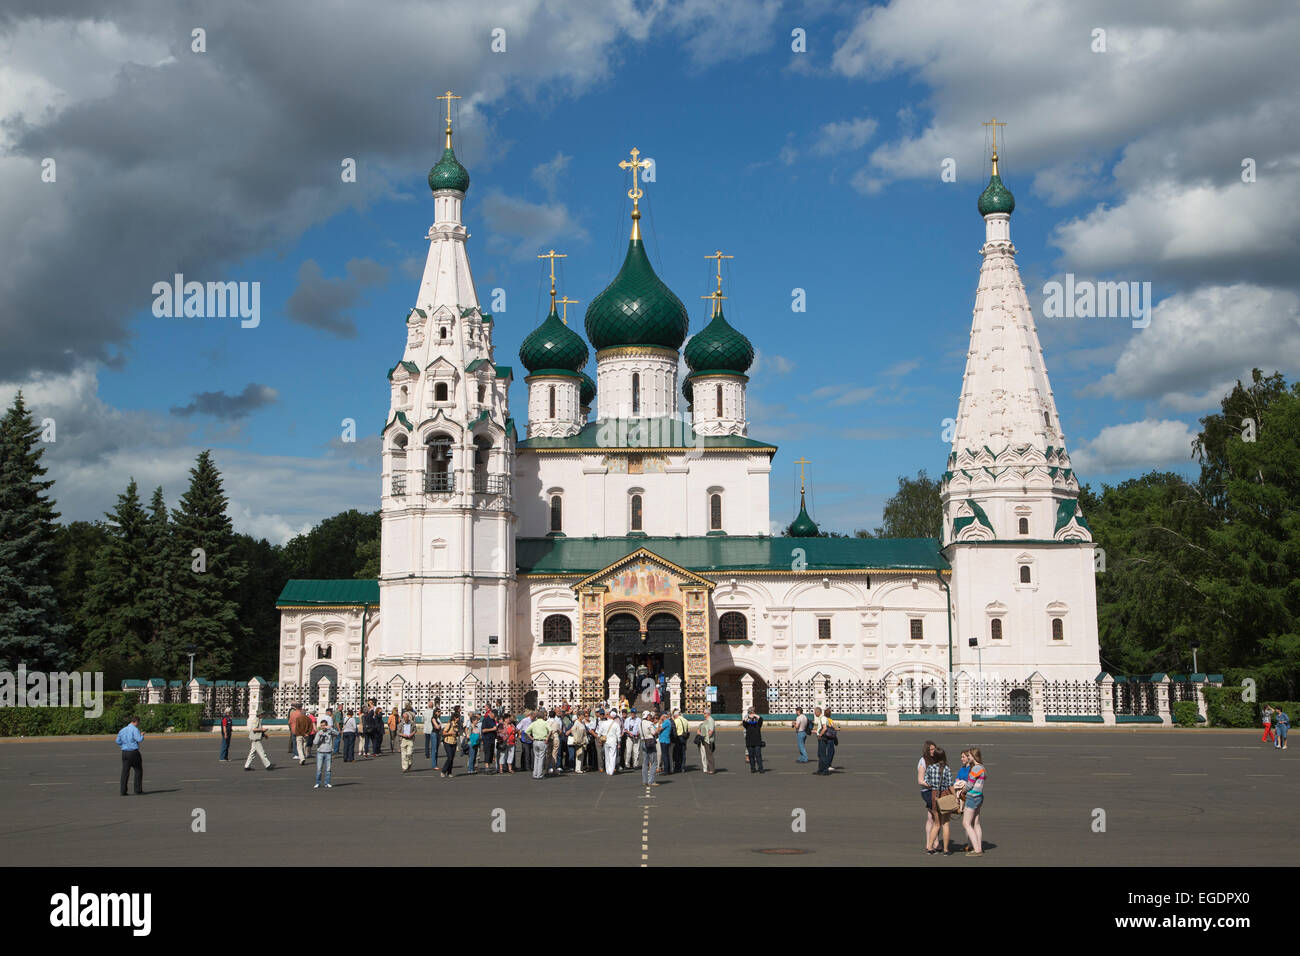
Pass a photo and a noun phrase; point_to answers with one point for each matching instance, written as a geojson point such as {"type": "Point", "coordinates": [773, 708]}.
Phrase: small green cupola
{"type": "Point", "coordinates": [719, 348]}
{"type": "Point", "coordinates": [553, 346]}
{"type": "Point", "coordinates": [996, 197]}
{"type": "Point", "coordinates": [448, 173]}
{"type": "Point", "coordinates": [804, 526]}
{"type": "Point", "coordinates": [586, 391]}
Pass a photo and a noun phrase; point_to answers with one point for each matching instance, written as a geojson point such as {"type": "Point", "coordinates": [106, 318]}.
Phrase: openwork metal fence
{"type": "Point", "coordinates": [924, 695]}
{"type": "Point", "coordinates": [1072, 698]}
{"type": "Point", "coordinates": [1135, 698]}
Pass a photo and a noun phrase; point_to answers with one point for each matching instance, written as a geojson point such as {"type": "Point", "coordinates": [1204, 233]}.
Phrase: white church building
{"type": "Point", "coordinates": [628, 530]}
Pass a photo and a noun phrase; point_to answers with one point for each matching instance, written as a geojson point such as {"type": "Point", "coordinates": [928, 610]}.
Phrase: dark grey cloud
{"type": "Point", "coordinates": [325, 303]}
{"type": "Point", "coordinates": [221, 405]}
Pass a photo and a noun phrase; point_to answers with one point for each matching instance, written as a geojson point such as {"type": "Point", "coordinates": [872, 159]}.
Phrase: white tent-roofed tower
{"type": "Point", "coordinates": [1021, 551]}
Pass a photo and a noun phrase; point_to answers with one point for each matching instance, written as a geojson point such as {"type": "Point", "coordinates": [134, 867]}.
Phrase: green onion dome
{"type": "Point", "coordinates": [553, 345]}
{"type": "Point", "coordinates": [689, 391]}
{"type": "Point", "coordinates": [636, 308]}
{"type": "Point", "coordinates": [996, 197]}
{"type": "Point", "coordinates": [449, 173]}
{"type": "Point", "coordinates": [803, 526]}
{"type": "Point", "coordinates": [586, 391]}
{"type": "Point", "coordinates": [719, 348]}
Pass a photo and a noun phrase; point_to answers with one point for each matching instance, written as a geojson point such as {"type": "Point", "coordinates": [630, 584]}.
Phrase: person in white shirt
{"type": "Point", "coordinates": [350, 737]}
{"type": "Point", "coordinates": [429, 715]}
{"type": "Point", "coordinates": [632, 742]}
{"type": "Point", "coordinates": [406, 732]}
{"type": "Point", "coordinates": [525, 742]}
{"type": "Point", "coordinates": [611, 728]}
{"type": "Point", "coordinates": [255, 734]}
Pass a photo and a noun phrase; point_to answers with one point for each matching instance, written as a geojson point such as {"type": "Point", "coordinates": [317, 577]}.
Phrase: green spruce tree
{"type": "Point", "coordinates": [163, 569]}
{"type": "Point", "coordinates": [208, 576]}
{"type": "Point", "coordinates": [118, 622]}
{"type": "Point", "coordinates": [31, 631]}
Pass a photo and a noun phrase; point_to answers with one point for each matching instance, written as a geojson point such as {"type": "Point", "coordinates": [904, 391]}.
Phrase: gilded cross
{"type": "Point", "coordinates": [635, 193]}
{"type": "Point", "coordinates": [995, 124]}
{"type": "Point", "coordinates": [553, 255]}
{"type": "Point", "coordinates": [801, 462]}
{"type": "Point", "coordinates": [448, 96]}
{"type": "Point", "coordinates": [566, 302]}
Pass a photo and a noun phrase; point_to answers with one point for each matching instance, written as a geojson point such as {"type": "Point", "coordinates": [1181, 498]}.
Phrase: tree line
{"type": "Point", "coordinates": [1212, 561]}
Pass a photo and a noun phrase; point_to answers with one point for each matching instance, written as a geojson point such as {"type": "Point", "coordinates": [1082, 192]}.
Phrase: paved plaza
{"type": "Point", "coordinates": [1170, 798]}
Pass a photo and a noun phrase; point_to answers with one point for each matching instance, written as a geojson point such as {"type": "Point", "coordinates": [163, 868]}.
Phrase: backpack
{"type": "Point", "coordinates": [672, 731]}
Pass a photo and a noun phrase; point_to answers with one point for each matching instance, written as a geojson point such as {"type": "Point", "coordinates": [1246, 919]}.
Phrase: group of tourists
{"type": "Point", "coordinates": [1276, 724]}
{"type": "Point", "coordinates": [945, 797]}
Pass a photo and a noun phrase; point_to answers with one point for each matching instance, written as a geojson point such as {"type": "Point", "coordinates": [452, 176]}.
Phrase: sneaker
{"type": "Point", "coordinates": [316, 787]}
{"type": "Point", "coordinates": [329, 786]}
{"type": "Point", "coordinates": [270, 766]}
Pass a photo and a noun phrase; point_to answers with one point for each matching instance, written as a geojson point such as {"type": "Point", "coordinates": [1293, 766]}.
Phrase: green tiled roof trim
{"type": "Point", "coordinates": [719, 346]}
{"type": "Point", "coordinates": [716, 371]}
{"type": "Point", "coordinates": [1065, 511]}
{"type": "Point", "coordinates": [448, 174]}
{"type": "Point", "coordinates": [557, 372]}
{"type": "Point", "coordinates": [731, 553]}
{"type": "Point", "coordinates": [401, 417]}
{"type": "Point", "coordinates": [625, 434]}
{"type": "Point", "coordinates": [423, 314]}
{"type": "Point", "coordinates": [344, 591]}
{"type": "Point", "coordinates": [996, 197]}
{"type": "Point", "coordinates": [978, 517]}
{"type": "Point", "coordinates": [504, 371]}
{"type": "Point", "coordinates": [466, 311]}
{"type": "Point", "coordinates": [409, 366]}
{"type": "Point", "coordinates": [636, 308]}
{"type": "Point", "coordinates": [475, 365]}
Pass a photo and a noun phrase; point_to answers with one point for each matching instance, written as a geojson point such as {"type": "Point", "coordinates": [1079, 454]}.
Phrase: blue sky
{"type": "Point", "coordinates": [816, 170]}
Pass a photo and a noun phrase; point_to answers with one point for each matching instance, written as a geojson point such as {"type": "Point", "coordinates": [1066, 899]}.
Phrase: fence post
{"type": "Point", "coordinates": [543, 685]}
{"type": "Point", "coordinates": [891, 701]}
{"type": "Point", "coordinates": [255, 691]}
{"type": "Point", "coordinates": [821, 690]}
{"type": "Point", "coordinates": [1106, 685]}
{"type": "Point", "coordinates": [196, 691]}
{"type": "Point", "coordinates": [1161, 682]}
{"type": "Point", "coordinates": [963, 699]}
{"type": "Point", "coordinates": [1201, 708]}
{"type": "Point", "coordinates": [675, 690]}
{"type": "Point", "coordinates": [746, 692]}
{"type": "Point", "coordinates": [155, 688]}
{"type": "Point", "coordinates": [1037, 701]}
{"type": "Point", "coordinates": [613, 690]}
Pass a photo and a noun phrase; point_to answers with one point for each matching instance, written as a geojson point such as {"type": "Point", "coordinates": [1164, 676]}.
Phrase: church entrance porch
{"type": "Point", "coordinates": [644, 660]}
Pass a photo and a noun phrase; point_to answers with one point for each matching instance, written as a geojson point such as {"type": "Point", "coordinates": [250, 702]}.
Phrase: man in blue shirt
{"type": "Point", "coordinates": [129, 738]}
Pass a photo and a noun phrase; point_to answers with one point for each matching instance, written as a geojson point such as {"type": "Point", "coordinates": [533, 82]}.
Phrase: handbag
{"type": "Point", "coordinates": [831, 734]}
{"type": "Point", "coordinates": [948, 802]}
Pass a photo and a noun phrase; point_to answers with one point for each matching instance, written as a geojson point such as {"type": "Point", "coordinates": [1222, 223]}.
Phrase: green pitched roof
{"type": "Point", "coordinates": [504, 371]}
{"type": "Point", "coordinates": [731, 553]}
{"type": "Point", "coordinates": [636, 308]}
{"type": "Point", "coordinates": [631, 434]}
{"type": "Point", "coordinates": [409, 366]}
{"type": "Point", "coordinates": [475, 365]}
{"type": "Point", "coordinates": [343, 591]}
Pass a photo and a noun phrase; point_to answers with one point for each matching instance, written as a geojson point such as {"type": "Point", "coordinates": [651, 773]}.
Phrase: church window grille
{"type": "Point", "coordinates": [824, 629]}
{"type": "Point", "coordinates": [1024, 574]}
{"type": "Point", "coordinates": [715, 512]}
{"type": "Point", "coordinates": [557, 513]}
{"type": "Point", "coordinates": [440, 392]}
{"type": "Point", "coordinates": [733, 628]}
{"type": "Point", "coordinates": [995, 629]}
{"type": "Point", "coordinates": [636, 512]}
{"type": "Point", "coordinates": [1024, 526]}
{"type": "Point", "coordinates": [719, 393]}
{"type": "Point", "coordinates": [918, 629]}
{"type": "Point", "coordinates": [636, 394]}
{"type": "Point", "coordinates": [557, 629]}
{"type": "Point", "coordinates": [1058, 629]}
{"type": "Point", "coordinates": [551, 399]}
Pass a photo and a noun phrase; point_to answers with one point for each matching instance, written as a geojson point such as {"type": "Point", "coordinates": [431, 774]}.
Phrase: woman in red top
{"type": "Point", "coordinates": [507, 736]}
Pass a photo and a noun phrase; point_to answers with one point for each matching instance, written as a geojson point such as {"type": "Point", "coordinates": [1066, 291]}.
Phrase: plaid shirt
{"type": "Point", "coordinates": [938, 777]}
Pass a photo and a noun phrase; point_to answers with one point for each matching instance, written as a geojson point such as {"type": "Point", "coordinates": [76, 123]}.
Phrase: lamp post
{"type": "Point", "coordinates": [492, 639]}
{"type": "Point", "coordinates": [1195, 645]}
{"type": "Point", "coordinates": [191, 649]}
{"type": "Point", "coordinates": [979, 657]}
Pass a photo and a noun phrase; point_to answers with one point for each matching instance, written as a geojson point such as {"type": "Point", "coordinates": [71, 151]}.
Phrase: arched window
{"type": "Point", "coordinates": [551, 390]}
{"type": "Point", "coordinates": [636, 513]}
{"type": "Point", "coordinates": [995, 629]}
{"type": "Point", "coordinates": [404, 395]}
{"type": "Point", "coordinates": [636, 394]}
{"type": "Point", "coordinates": [557, 513]}
{"type": "Point", "coordinates": [732, 627]}
{"type": "Point", "coordinates": [715, 512]}
{"type": "Point", "coordinates": [482, 393]}
{"type": "Point", "coordinates": [323, 652]}
{"type": "Point", "coordinates": [1058, 629]}
{"type": "Point", "coordinates": [438, 475]}
{"type": "Point", "coordinates": [719, 401]}
{"type": "Point", "coordinates": [440, 392]}
{"type": "Point", "coordinates": [1024, 574]}
{"type": "Point", "coordinates": [1024, 526]}
{"type": "Point", "coordinates": [442, 332]}
{"type": "Point", "coordinates": [482, 455]}
{"type": "Point", "coordinates": [557, 629]}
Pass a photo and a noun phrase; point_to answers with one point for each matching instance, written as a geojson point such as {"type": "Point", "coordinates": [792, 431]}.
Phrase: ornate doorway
{"type": "Point", "coordinates": [638, 657]}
